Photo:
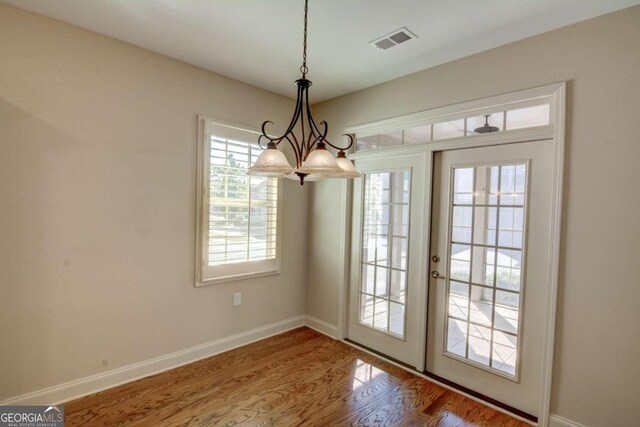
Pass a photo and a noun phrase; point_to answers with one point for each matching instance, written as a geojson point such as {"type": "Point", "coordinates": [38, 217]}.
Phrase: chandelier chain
{"type": "Point", "coordinates": [304, 68]}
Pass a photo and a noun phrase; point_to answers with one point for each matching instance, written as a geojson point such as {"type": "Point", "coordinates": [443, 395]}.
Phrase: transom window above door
{"type": "Point", "coordinates": [518, 116]}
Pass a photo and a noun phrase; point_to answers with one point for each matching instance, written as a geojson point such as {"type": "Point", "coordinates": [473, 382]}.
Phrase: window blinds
{"type": "Point", "coordinates": [243, 210]}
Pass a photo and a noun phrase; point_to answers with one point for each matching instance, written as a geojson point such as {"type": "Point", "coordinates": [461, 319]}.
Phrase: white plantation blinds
{"type": "Point", "coordinates": [243, 209]}
{"type": "Point", "coordinates": [240, 212]}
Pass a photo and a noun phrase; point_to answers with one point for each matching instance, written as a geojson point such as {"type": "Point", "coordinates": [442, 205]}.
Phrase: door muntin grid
{"type": "Point", "coordinates": [485, 265]}
{"type": "Point", "coordinates": [384, 251]}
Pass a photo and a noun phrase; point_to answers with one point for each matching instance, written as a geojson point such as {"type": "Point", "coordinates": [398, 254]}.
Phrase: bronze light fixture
{"type": "Point", "coordinates": [313, 160]}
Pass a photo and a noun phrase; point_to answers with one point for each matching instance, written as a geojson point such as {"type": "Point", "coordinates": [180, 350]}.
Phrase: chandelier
{"type": "Point", "coordinates": [313, 160]}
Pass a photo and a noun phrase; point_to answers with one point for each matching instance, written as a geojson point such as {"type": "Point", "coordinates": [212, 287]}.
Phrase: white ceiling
{"type": "Point", "coordinates": [260, 41]}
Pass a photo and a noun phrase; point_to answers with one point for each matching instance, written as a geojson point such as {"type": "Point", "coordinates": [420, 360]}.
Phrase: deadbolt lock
{"type": "Point", "coordinates": [435, 258]}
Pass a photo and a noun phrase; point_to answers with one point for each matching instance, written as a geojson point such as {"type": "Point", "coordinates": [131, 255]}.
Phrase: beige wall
{"type": "Point", "coordinates": [597, 374]}
{"type": "Point", "coordinates": [97, 206]}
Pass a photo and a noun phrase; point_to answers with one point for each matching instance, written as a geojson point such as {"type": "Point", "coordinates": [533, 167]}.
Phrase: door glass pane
{"type": "Point", "coordinates": [504, 352]}
{"type": "Point", "coordinates": [487, 232]}
{"type": "Point", "coordinates": [479, 345]}
{"type": "Point", "coordinates": [461, 231]}
{"type": "Point", "coordinates": [400, 226]}
{"type": "Point", "coordinates": [396, 318]}
{"type": "Point", "coordinates": [368, 278]}
{"type": "Point", "coordinates": [510, 222]}
{"type": "Point", "coordinates": [397, 291]}
{"type": "Point", "coordinates": [382, 281]}
{"type": "Point", "coordinates": [459, 300]}
{"type": "Point", "coordinates": [508, 269]}
{"type": "Point", "coordinates": [366, 309]}
{"type": "Point", "coordinates": [460, 263]}
{"type": "Point", "coordinates": [457, 338]}
{"type": "Point", "coordinates": [480, 311]}
{"type": "Point", "coordinates": [381, 313]}
{"type": "Point", "coordinates": [484, 268]}
{"type": "Point", "coordinates": [463, 190]}
{"type": "Point", "coordinates": [399, 253]}
{"type": "Point", "coordinates": [385, 247]}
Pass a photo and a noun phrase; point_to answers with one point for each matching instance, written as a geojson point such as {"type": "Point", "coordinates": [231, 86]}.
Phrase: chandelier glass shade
{"type": "Point", "coordinates": [348, 170]}
{"type": "Point", "coordinates": [271, 163]}
{"type": "Point", "coordinates": [320, 161]}
{"type": "Point", "coordinates": [307, 138]}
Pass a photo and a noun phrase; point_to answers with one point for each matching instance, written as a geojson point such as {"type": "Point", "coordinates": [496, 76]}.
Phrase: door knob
{"type": "Point", "coordinates": [436, 275]}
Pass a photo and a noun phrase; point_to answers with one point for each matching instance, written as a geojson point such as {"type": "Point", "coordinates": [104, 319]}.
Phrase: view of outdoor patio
{"type": "Point", "coordinates": [384, 251]}
{"type": "Point", "coordinates": [485, 264]}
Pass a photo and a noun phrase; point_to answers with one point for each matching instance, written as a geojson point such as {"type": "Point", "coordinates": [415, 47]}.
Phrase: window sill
{"type": "Point", "coordinates": [234, 278]}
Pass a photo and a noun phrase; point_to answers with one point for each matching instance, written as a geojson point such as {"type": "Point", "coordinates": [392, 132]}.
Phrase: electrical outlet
{"type": "Point", "coordinates": [237, 299]}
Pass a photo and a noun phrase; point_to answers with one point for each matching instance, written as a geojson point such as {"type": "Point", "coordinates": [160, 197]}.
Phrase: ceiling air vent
{"type": "Point", "coordinates": [393, 39]}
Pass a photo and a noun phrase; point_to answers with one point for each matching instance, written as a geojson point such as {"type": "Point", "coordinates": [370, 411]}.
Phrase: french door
{"type": "Point", "coordinates": [388, 275]}
{"type": "Point", "coordinates": [489, 251]}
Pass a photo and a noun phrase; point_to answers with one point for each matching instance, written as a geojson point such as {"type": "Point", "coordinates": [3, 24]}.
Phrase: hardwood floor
{"type": "Point", "coordinates": [300, 377]}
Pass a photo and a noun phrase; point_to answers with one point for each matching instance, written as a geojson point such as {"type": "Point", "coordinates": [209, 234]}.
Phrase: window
{"type": "Point", "coordinates": [238, 215]}
{"type": "Point", "coordinates": [517, 116]}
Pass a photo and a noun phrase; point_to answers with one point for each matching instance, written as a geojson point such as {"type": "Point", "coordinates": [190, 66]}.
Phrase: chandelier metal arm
{"type": "Point", "coordinates": [319, 136]}
{"type": "Point", "coordinates": [296, 148]}
{"type": "Point", "coordinates": [262, 136]}
{"type": "Point", "coordinates": [351, 140]}
{"type": "Point", "coordinates": [304, 147]}
{"type": "Point", "coordinates": [310, 142]}
{"type": "Point", "coordinates": [301, 148]}
{"type": "Point", "coordinates": [297, 112]}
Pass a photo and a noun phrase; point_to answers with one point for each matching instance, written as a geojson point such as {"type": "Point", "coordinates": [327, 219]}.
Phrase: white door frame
{"type": "Point", "coordinates": [555, 94]}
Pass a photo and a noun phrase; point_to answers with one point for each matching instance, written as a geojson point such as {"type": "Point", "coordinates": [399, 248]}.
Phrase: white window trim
{"type": "Point", "coordinates": [228, 272]}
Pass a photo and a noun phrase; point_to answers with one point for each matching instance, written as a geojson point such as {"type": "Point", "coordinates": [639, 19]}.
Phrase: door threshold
{"type": "Point", "coordinates": [509, 410]}
{"type": "Point", "coordinates": [482, 397]}
{"type": "Point", "coordinates": [381, 355]}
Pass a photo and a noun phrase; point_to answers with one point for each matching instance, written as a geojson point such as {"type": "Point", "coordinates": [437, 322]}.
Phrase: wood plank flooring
{"type": "Point", "coordinates": [299, 378]}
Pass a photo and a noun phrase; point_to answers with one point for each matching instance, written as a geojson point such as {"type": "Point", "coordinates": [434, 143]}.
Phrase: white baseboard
{"type": "Point", "coordinates": [557, 421]}
{"type": "Point", "coordinates": [84, 386]}
{"type": "Point", "coordinates": [74, 389]}
{"type": "Point", "coordinates": [322, 326]}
